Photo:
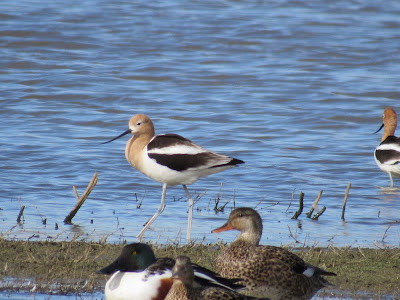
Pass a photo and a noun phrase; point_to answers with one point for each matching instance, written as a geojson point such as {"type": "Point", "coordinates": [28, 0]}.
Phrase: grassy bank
{"type": "Point", "coordinates": [69, 267]}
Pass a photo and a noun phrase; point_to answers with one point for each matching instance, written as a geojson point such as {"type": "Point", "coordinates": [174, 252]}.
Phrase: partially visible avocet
{"type": "Point", "coordinates": [387, 154]}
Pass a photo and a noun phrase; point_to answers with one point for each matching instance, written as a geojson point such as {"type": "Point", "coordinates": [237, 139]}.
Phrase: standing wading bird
{"type": "Point", "coordinates": [387, 154]}
{"type": "Point", "coordinates": [170, 159]}
{"type": "Point", "coordinates": [266, 271]}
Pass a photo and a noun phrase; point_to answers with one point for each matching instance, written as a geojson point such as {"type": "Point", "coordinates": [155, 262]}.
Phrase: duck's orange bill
{"type": "Point", "coordinates": [224, 227]}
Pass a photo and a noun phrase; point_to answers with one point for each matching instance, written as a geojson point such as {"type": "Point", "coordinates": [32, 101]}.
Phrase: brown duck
{"type": "Point", "coordinates": [182, 287]}
{"type": "Point", "coordinates": [266, 271]}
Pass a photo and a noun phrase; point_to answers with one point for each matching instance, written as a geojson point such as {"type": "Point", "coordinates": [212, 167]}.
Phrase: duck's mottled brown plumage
{"type": "Point", "coordinates": [182, 288]}
{"type": "Point", "coordinates": [266, 271]}
{"type": "Point", "coordinates": [179, 291]}
{"type": "Point", "coordinates": [221, 294]}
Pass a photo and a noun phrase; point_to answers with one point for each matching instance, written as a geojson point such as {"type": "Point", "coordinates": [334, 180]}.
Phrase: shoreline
{"type": "Point", "coordinates": [68, 267]}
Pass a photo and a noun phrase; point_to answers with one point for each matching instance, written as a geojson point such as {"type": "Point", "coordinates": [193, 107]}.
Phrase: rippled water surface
{"type": "Point", "coordinates": [294, 88]}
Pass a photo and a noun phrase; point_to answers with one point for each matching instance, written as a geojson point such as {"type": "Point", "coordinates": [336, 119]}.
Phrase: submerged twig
{"type": "Point", "coordinates": [82, 199]}
{"type": "Point", "coordinates": [199, 196]}
{"type": "Point", "coordinates": [318, 214]}
{"type": "Point", "coordinates": [298, 213]}
{"type": "Point", "coordinates": [291, 199]}
{"type": "Point", "coordinates": [20, 214]}
{"type": "Point", "coordinates": [219, 197]}
{"type": "Point", "coordinates": [292, 236]}
{"type": "Point", "coordinates": [314, 205]}
{"type": "Point", "coordinates": [44, 220]}
{"type": "Point", "coordinates": [345, 199]}
{"type": "Point", "coordinates": [387, 229]}
{"type": "Point", "coordinates": [258, 203]}
{"type": "Point", "coordinates": [141, 201]}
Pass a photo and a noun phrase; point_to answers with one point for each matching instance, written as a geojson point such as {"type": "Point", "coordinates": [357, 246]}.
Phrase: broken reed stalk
{"type": "Point", "coordinates": [141, 201]}
{"type": "Point", "coordinates": [20, 214]}
{"type": "Point", "coordinates": [298, 213]}
{"type": "Point", "coordinates": [291, 199]}
{"type": "Point", "coordinates": [82, 199]}
{"type": "Point", "coordinates": [387, 229]}
{"type": "Point", "coordinates": [314, 205]}
{"type": "Point", "coordinates": [292, 236]}
{"type": "Point", "coordinates": [345, 199]}
{"type": "Point", "coordinates": [318, 214]}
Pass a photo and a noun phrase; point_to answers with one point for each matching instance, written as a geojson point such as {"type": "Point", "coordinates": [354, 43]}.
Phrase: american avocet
{"type": "Point", "coordinates": [138, 274]}
{"type": "Point", "coordinates": [170, 159]}
{"type": "Point", "coordinates": [387, 154]}
{"type": "Point", "coordinates": [266, 271]}
{"type": "Point", "coordinates": [182, 288]}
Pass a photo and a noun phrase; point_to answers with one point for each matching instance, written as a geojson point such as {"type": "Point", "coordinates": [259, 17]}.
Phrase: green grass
{"type": "Point", "coordinates": [69, 267]}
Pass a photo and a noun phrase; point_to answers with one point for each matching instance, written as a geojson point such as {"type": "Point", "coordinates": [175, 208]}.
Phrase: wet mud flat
{"type": "Point", "coordinates": [70, 267]}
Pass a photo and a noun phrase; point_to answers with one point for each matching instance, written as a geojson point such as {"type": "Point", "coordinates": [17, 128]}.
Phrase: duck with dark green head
{"type": "Point", "coordinates": [138, 274]}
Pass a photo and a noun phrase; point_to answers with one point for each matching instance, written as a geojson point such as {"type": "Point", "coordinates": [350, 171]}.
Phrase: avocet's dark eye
{"type": "Point", "coordinates": [138, 123]}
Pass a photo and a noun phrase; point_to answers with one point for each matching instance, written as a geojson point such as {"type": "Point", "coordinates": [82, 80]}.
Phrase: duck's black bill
{"type": "Point", "coordinates": [121, 135]}
{"type": "Point", "coordinates": [374, 132]}
{"type": "Point", "coordinates": [110, 269]}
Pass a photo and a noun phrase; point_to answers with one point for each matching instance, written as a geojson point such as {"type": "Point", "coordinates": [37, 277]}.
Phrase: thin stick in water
{"type": "Point", "coordinates": [314, 205]}
{"type": "Point", "coordinates": [345, 199]}
{"type": "Point", "coordinates": [318, 214]}
{"type": "Point", "coordinates": [290, 203]}
{"type": "Point", "coordinates": [81, 200]}
{"type": "Point", "coordinates": [298, 213]}
{"type": "Point", "coordinates": [20, 214]}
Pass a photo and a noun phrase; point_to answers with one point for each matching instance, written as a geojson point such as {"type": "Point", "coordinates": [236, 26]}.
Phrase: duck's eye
{"type": "Point", "coordinates": [240, 215]}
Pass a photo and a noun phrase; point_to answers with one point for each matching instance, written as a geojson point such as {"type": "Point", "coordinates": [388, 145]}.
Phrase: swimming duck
{"type": "Point", "coordinates": [138, 274]}
{"type": "Point", "coordinates": [182, 288]}
{"type": "Point", "coordinates": [387, 154]}
{"type": "Point", "coordinates": [266, 271]}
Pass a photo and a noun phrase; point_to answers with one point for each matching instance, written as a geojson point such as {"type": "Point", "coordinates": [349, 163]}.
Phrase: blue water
{"type": "Point", "coordinates": [295, 89]}
{"type": "Point", "coordinates": [38, 296]}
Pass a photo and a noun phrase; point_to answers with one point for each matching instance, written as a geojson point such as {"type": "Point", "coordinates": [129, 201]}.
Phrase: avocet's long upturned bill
{"type": "Point", "coordinates": [170, 159]}
{"type": "Point", "coordinates": [387, 154]}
